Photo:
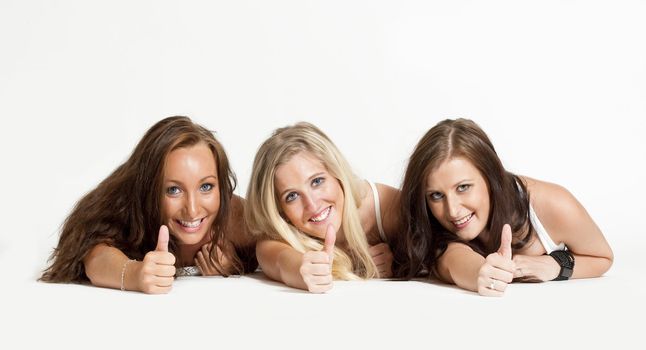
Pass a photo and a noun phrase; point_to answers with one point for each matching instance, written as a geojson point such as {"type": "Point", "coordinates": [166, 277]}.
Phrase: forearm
{"type": "Point", "coordinates": [104, 266]}
{"type": "Point", "coordinates": [465, 275]}
{"type": "Point", "coordinates": [289, 264]}
{"type": "Point", "coordinates": [590, 266]}
{"type": "Point", "coordinates": [461, 267]}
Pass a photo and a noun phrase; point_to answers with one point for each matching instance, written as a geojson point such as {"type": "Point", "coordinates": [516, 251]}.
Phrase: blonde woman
{"type": "Point", "coordinates": [315, 219]}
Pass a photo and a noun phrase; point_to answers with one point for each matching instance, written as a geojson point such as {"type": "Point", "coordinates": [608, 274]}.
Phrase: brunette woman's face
{"type": "Point", "coordinates": [309, 197]}
{"type": "Point", "coordinates": [458, 197]}
{"type": "Point", "coordinates": [191, 196]}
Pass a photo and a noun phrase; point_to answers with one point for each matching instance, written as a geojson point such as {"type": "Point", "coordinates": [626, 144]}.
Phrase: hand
{"type": "Point", "coordinates": [202, 260]}
{"type": "Point", "coordinates": [156, 273]}
{"type": "Point", "coordinates": [383, 258]}
{"type": "Point", "coordinates": [316, 268]}
{"type": "Point", "coordinates": [535, 268]}
{"type": "Point", "coordinates": [498, 270]}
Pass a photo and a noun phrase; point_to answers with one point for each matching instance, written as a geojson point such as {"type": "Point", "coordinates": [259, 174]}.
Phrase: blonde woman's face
{"type": "Point", "coordinates": [309, 197]}
{"type": "Point", "coordinates": [458, 197]}
{"type": "Point", "coordinates": [191, 196]}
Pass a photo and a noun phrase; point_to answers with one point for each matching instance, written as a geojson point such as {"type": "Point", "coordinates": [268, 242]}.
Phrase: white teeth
{"type": "Point", "coordinates": [190, 224]}
{"type": "Point", "coordinates": [463, 220]}
{"type": "Point", "coordinates": [324, 214]}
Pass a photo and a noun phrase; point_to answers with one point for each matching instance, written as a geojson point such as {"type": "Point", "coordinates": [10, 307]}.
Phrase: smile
{"type": "Point", "coordinates": [190, 224]}
{"type": "Point", "coordinates": [463, 221]}
{"type": "Point", "coordinates": [322, 215]}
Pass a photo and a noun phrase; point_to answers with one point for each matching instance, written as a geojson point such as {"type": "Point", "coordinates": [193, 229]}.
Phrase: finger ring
{"type": "Point", "coordinates": [493, 283]}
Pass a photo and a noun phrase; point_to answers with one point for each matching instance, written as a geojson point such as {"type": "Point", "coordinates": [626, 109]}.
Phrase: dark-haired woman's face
{"type": "Point", "coordinates": [309, 196]}
{"type": "Point", "coordinates": [458, 197]}
{"type": "Point", "coordinates": [191, 196]}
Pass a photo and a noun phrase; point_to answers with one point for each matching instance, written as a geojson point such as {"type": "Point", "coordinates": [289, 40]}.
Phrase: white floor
{"type": "Point", "coordinates": [253, 312]}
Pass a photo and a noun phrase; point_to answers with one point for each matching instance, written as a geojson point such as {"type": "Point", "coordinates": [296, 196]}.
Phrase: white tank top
{"type": "Point", "coordinates": [543, 236]}
{"type": "Point", "coordinates": [375, 196]}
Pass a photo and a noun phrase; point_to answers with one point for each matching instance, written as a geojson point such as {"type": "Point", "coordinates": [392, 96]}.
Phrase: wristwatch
{"type": "Point", "coordinates": [566, 260]}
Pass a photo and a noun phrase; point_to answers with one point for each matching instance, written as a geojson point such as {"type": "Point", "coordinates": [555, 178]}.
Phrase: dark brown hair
{"type": "Point", "coordinates": [426, 239]}
{"type": "Point", "coordinates": [123, 211]}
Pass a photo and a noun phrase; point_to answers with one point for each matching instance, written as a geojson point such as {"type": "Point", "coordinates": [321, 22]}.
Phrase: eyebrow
{"type": "Point", "coordinates": [201, 180]}
{"type": "Point", "coordinates": [430, 190]}
{"type": "Point", "coordinates": [308, 180]}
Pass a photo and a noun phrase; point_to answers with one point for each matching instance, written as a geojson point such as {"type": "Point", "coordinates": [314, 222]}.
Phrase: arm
{"type": "Point", "coordinates": [310, 271]}
{"type": "Point", "coordinates": [567, 221]}
{"type": "Point", "coordinates": [460, 265]}
{"type": "Point", "coordinates": [104, 266]}
{"type": "Point", "coordinates": [280, 262]}
{"type": "Point", "coordinates": [469, 270]}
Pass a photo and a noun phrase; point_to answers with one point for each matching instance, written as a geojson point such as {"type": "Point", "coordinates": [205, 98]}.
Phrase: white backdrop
{"type": "Point", "coordinates": [559, 86]}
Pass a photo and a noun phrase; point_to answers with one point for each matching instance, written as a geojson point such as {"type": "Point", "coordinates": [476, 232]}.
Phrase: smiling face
{"type": "Point", "coordinates": [309, 197]}
{"type": "Point", "coordinates": [458, 197]}
{"type": "Point", "coordinates": [191, 196]}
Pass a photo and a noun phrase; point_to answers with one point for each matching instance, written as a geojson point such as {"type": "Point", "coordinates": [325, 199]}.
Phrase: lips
{"type": "Point", "coordinates": [462, 222]}
{"type": "Point", "coordinates": [321, 216]}
{"type": "Point", "coordinates": [190, 226]}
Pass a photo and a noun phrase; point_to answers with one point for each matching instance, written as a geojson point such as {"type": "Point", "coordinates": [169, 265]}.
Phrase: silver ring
{"type": "Point", "coordinates": [493, 284]}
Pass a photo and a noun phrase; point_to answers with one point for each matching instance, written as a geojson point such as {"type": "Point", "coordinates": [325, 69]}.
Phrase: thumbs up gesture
{"type": "Point", "coordinates": [157, 271]}
{"type": "Point", "coordinates": [498, 270]}
{"type": "Point", "coordinates": [316, 267]}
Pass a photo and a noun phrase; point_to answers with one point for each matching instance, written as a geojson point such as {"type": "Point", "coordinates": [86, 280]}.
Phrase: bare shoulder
{"type": "Point", "coordinates": [388, 195]}
{"type": "Point", "coordinates": [389, 200]}
{"type": "Point", "coordinates": [555, 206]}
{"type": "Point", "coordinates": [547, 196]}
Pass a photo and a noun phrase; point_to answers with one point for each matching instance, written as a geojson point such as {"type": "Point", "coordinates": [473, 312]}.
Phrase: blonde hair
{"type": "Point", "coordinates": [263, 214]}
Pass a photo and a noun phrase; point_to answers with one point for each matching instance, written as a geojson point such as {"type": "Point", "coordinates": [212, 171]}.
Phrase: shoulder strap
{"type": "Point", "coordinates": [375, 196]}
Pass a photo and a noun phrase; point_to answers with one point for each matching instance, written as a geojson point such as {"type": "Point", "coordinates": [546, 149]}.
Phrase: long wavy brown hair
{"type": "Point", "coordinates": [425, 239]}
{"type": "Point", "coordinates": [123, 211]}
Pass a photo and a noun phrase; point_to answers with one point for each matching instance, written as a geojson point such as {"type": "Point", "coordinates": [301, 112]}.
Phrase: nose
{"type": "Point", "coordinates": [192, 206]}
{"type": "Point", "coordinates": [308, 202]}
{"type": "Point", "coordinates": [454, 206]}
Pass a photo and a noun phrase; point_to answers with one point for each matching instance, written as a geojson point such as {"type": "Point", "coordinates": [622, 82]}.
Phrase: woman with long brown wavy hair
{"type": "Point", "coordinates": [472, 223]}
{"type": "Point", "coordinates": [169, 209]}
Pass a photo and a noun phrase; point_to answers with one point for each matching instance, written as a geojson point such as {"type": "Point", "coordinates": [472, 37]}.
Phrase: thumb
{"type": "Point", "coordinates": [505, 242]}
{"type": "Point", "coordinates": [162, 241]}
{"type": "Point", "coordinates": [330, 238]}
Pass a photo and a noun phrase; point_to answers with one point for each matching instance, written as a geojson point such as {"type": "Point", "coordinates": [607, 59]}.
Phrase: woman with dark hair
{"type": "Point", "coordinates": [169, 209]}
{"type": "Point", "coordinates": [472, 223]}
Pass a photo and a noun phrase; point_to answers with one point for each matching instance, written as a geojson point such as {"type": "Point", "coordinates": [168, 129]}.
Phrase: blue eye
{"type": "Point", "coordinates": [206, 187]}
{"type": "Point", "coordinates": [173, 190]}
{"type": "Point", "coordinates": [463, 188]}
{"type": "Point", "coordinates": [435, 196]}
{"type": "Point", "coordinates": [318, 181]}
{"type": "Point", "coordinates": [291, 196]}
